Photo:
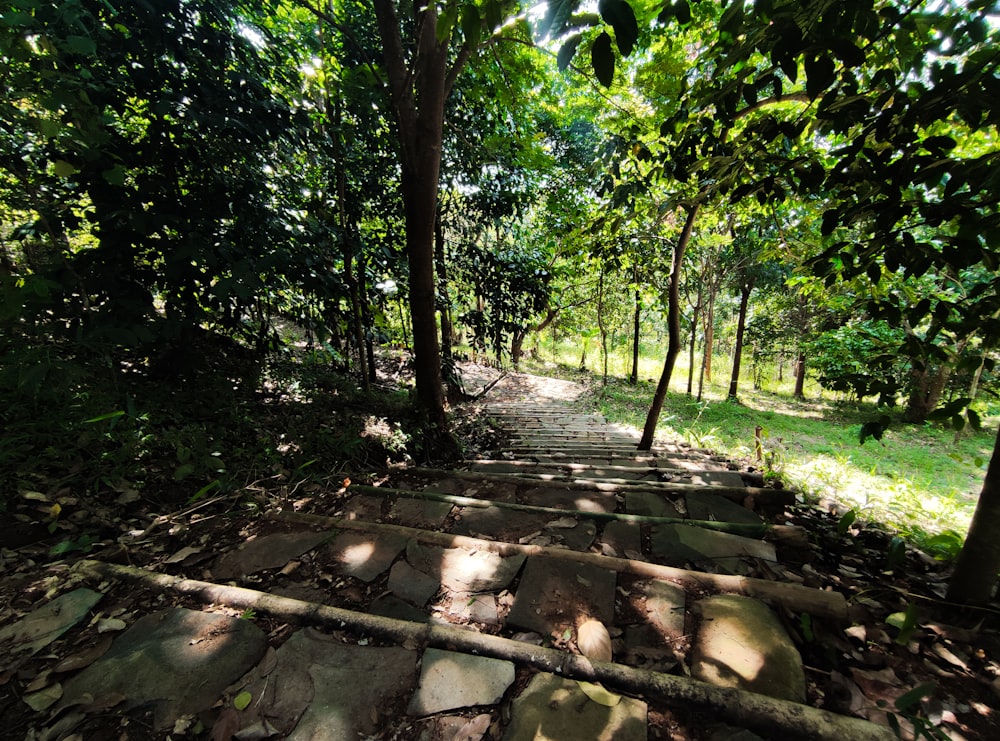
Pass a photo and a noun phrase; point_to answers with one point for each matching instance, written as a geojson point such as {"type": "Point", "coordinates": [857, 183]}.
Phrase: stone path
{"type": "Point", "coordinates": [571, 540]}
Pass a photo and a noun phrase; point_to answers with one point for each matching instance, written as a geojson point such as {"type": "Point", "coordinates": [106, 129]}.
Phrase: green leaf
{"type": "Point", "coordinates": [567, 50]}
{"type": "Point", "coordinates": [820, 72]}
{"type": "Point", "coordinates": [683, 12]}
{"type": "Point", "coordinates": [183, 471]}
{"type": "Point", "coordinates": [242, 701]}
{"type": "Point", "coordinates": [494, 14]}
{"type": "Point", "coordinates": [906, 701]}
{"type": "Point", "coordinates": [619, 15]}
{"type": "Point", "coordinates": [81, 45]}
{"type": "Point", "coordinates": [598, 694]}
{"type": "Point", "coordinates": [905, 622]}
{"type": "Point", "coordinates": [102, 417]}
{"type": "Point", "coordinates": [446, 22]}
{"type": "Point", "coordinates": [63, 168]}
{"type": "Point", "coordinates": [846, 521]}
{"type": "Point", "coordinates": [472, 25]}
{"type": "Point", "coordinates": [603, 59]}
{"type": "Point", "coordinates": [114, 175]}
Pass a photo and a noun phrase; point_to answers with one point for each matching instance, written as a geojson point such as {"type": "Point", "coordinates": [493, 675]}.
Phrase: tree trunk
{"type": "Point", "coordinates": [695, 316]}
{"type": "Point", "coordinates": [734, 380]}
{"type": "Point", "coordinates": [444, 300]}
{"type": "Point", "coordinates": [709, 348]}
{"type": "Point", "coordinates": [636, 323]}
{"type": "Point", "coordinates": [673, 331]}
{"type": "Point", "coordinates": [418, 97]}
{"type": "Point", "coordinates": [600, 325]}
{"type": "Point", "coordinates": [800, 376]}
{"type": "Point", "coordinates": [978, 564]}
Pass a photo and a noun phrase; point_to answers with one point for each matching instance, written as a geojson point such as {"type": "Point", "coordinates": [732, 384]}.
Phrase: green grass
{"type": "Point", "coordinates": [919, 480]}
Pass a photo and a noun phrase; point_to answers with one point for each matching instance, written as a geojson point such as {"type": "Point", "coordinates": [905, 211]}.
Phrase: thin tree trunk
{"type": "Point", "coordinates": [601, 327]}
{"type": "Point", "coordinates": [444, 299]}
{"type": "Point", "coordinates": [695, 316]}
{"type": "Point", "coordinates": [734, 380]}
{"type": "Point", "coordinates": [709, 348]}
{"type": "Point", "coordinates": [673, 331]}
{"type": "Point", "coordinates": [636, 324]}
{"type": "Point", "coordinates": [800, 376]}
{"type": "Point", "coordinates": [978, 564]}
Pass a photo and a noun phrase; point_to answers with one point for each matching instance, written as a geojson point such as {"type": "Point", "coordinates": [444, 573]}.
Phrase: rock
{"type": "Point", "coordinates": [707, 506]}
{"type": "Point", "coordinates": [419, 513]}
{"type": "Point", "coordinates": [450, 680]}
{"type": "Point", "coordinates": [554, 595]}
{"type": "Point", "coordinates": [42, 626]}
{"type": "Point", "coordinates": [462, 570]}
{"type": "Point", "coordinates": [680, 544]}
{"type": "Point", "coordinates": [740, 643]}
{"type": "Point", "coordinates": [266, 552]}
{"type": "Point", "coordinates": [365, 555]}
{"type": "Point", "coordinates": [177, 660]}
{"type": "Point", "coordinates": [412, 585]}
{"type": "Point", "coordinates": [555, 709]}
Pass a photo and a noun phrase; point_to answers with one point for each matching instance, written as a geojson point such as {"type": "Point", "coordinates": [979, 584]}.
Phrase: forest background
{"type": "Point", "coordinates": [807, 188]}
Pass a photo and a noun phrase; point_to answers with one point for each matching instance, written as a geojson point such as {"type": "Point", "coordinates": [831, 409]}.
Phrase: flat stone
{"type": "Point", "coordinates": [716, 478]}
{"type": "Point", "coordinates": [462, 570]}
{"type": "Point", "coordinates": [476, 608]}
{"type": "Point", "coordinates": [365, 555]}
{"type": "Point", "coordinates": [420, 513]}
{"type": "Point", "coordinates": [42, 626]}
{"type": "Point", "coordinates": [495, 523]}
{"type": "Point", "coordinates": [585, 501]}
{"type": "Point", "coordinates": [266, 552]}
{"type": "Point", "coordinates": [414, 586]}
{"type": "Point", "coordinates": [555, 709]}
{"type": "Point", "coordinates": [623, 537]}
{"type": "Point", "coordinates": [741, 643]}
{"type": "Point", "coordinates": [554, 595]}
{"type": "Point", "coordinates": [576, 538]}
{"type": "Point", "coordinates": [177, 660]}
{"type": "Point", "coordinates": [450, 680]}
{"type": "Point", "coordinates": [311, 688]}
{"type": "Point", "coordinates": [363, 507]}
{"type": "Point", "coordinates": [651, 504]}
{"type": "Point", "coordinates": [391, 606]}
{"type": "Point", "coordinates": [707, 506]}
{"type": "Point", "coordinates": [679, 544]}
{"type": "Point", "coordinates": [494, 491]}
{"type": "Point", "coordinates": [665, 603]}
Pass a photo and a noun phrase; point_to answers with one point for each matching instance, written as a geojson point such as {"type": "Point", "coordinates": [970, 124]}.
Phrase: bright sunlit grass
{"type": "Point", "coordinates": [921, 480]}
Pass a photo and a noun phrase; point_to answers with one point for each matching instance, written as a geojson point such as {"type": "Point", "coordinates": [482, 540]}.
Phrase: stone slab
{"type": "Point", "coordinates": [310, 690]}
{"type": "Point", "coordinates": [716, 478]}
{"type": "Point", "coordinates": [45, 624]}
{"type": "Point", "coordinates": [585, 501]}
{"type": "Point", "coordinates": [414, 586]}
{"type": "Point", "coordinates": [177, 660]}
{"type": "Point", "coordinates": [450, 680]}
{"type": "Point", "coordinates": [679, 544]}
{"type": "Point", "coordinates": [554, 595]}
{"type": "Point", "coordinates": [624, 538]}
{"type": "Point", "coordinates": [364, 507]}
{"type": "Point", "coordinates": [650, 503]}
{"type": "Point", "coordinates": [708, 506]}
{"type": "Point", "coordinates": [391, 606]}
{"type": "Point", "coordinates": [462, 570]}
{"type": "Point", "coordinates": [365, 555]}
{"type": "Point", "coordinates": [266, 552]}
{"type": "Point", "coordinates": [420, 513]}
{"type": "Point", "coordinates": [555, 709]}
{"type": "Point", "coordinates": [741, 643]}
{"type": "Point", "coordinates": [495, 491]}
{"type": "Point", "coordinates": [665, 604]}
{"type": "Point", "coordinates": [495, 523]}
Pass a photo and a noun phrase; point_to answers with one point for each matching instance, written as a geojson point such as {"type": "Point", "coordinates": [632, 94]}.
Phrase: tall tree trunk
{"type": "Point", "coordinates": [444, 299]}
{"type": "Point", "coordinates": [418, 96]}
{"type": "Point", "coordinates": [734, 380]}
{"type": "Point", "coordinates": [366, 317]}
{"type": "Point", "coordinates": [673, 331]}
{"type": "Point", "coordinates": [600, 325]}
{"type": "Point", "coordinates": [978, 564]}
{"type": "Point", "coordinates": [636, 324]}
{"type": "Point", "coordinates": [709, 349]}
{"type": "Point", "coordinates": [800, 376]}
{"type": "Point", "coordinates": [695, 316]}
{"type": "Point", "coordinates": [925, 392]}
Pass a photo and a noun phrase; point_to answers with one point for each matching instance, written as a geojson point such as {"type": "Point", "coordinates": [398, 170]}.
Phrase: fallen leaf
{"type": "Point", "coordinates": [226, 725]}
{"type": "Point", "coordinates": [84, 658]}
{"type": "Point", "coordinates": [600, 695]}
{"type": "Point", "coordinates": [593, 640]}
{"type": "Point", "coordinates": [44, 699]}
{"type": "Point", "coordinates": [182, 554]}
{"type": "Point", "coordinates": [242, 700]}
{"type": "Point", "coordinates": [110, 625]}
{"type": "Point", "coordinates": [474, 729]}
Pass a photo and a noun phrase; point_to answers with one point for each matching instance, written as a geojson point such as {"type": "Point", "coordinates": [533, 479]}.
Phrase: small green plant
{"type": "Point", "coordinates": [84, 544]}
{"type": "Point", "coordinates": [907, 706]}
{"type": "Point", "coordinates": [248, 614]}
{"type": "Point", "coordinates": [905, 622]}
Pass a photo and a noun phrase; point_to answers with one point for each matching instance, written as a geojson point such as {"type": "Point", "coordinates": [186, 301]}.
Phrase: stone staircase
{"type": "Point", "coordinates": [570, 589]}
